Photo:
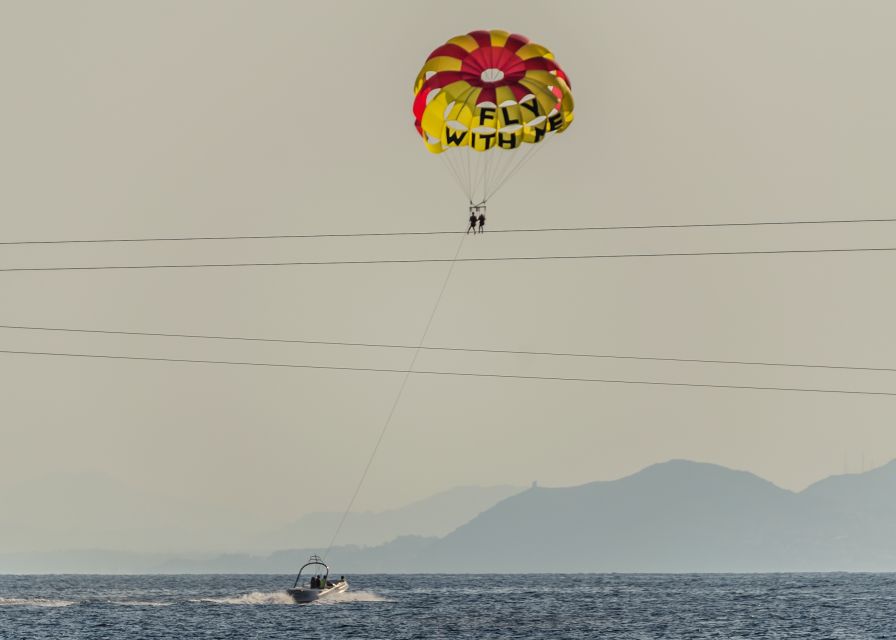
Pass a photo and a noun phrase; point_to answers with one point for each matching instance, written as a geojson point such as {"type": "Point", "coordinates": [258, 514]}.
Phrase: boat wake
{"type": "Point", "coordinates": [34, 602]}
{"type": "Point", "coordinates": [281, 597]}
{"type": "Point", "coordinates": [252, 598]}
{"type": "Point", "coordinates": [255, 597]}
{"type": "Point", "coordinates": [352, 596]}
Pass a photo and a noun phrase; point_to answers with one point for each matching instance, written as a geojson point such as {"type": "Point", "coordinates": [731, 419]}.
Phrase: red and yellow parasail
{"type": "Point", "coordinates": [489, 92]}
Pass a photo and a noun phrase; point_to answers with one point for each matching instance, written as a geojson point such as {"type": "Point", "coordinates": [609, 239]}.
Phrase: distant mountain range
{"type": "Point", "coordinates": [436, 515]}
{"type": "Point", "coordinates": [97, 511]}
{"type": "Point", "coordinates": [77, 508]}
{"type": "Point", "coordinates": [678, 516]}
{"type": "Point", "coordinates": [683, 516]}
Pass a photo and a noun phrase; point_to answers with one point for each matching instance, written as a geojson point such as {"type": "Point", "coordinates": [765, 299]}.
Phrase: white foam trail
{"type": "Point", "coordinates": [353, 596]}
{"type": "Point", "coordinates": [256, 597]}
{"type": "Point", "coordinates": [34, 602]}
{"type": "Point", "coordinates": [281, 597]}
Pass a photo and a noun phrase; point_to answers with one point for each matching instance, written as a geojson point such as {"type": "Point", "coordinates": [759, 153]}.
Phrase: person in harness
{"type": "Point", "coordinates": [472, 219]}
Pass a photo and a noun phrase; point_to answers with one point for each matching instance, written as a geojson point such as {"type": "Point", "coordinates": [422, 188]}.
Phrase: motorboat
{"type": "Point", "coordinates": [318, 583]}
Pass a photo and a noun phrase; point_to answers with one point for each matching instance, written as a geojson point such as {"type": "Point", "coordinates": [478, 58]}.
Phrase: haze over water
{"type": "Point", "coordinates": [137, 120]}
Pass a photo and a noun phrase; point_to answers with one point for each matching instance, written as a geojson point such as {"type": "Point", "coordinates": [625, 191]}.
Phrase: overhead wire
{"type": "Point", "coordinates": [295, 263]}
{"type": "Point", "coordinates": [467, 374]}
{"type": "Point", "coordinates": [283, 236]}
{"type": "Point", "coordinates": [380, 345]}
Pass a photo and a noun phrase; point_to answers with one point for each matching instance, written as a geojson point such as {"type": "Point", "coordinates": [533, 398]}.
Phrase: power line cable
{"type": "Point", "coordinates": [380, 345]}
{"type": "Point", "coordinates": [676, 254]}
{"type": "Point", "coordinates": [283, 236]}
{"type": "Point", "coordinates": [467, 374]}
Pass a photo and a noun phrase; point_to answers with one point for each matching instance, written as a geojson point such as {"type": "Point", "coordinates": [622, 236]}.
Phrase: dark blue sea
{"type": "Point", "coordinates": [613, 606]}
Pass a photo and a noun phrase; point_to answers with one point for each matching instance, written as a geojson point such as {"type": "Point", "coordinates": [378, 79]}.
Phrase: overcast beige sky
{"type": "Point", "coordinates": [215, 118]}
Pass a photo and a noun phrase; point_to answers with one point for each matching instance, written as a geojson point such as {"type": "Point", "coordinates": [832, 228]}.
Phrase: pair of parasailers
{"type": "Point", "coordinates": [477, 209]}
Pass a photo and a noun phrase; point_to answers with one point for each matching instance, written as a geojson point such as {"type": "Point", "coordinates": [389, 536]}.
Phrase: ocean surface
{"type": "Point", "coordinates": [610, 606]}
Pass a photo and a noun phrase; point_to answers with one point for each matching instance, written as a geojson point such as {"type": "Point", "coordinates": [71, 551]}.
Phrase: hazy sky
{"type": "Point", "coordinates": [216, 118]}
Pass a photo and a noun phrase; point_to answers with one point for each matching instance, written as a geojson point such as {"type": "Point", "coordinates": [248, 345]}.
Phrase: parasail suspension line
{"type": "Point", "coordinates": [404, 381]}
{"type": "Point", "coordinates": [457, 178]}
{"type": "Point", "coordinates": [529, 154]}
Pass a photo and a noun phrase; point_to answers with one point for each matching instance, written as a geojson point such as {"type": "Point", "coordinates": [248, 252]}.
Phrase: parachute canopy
{"type": "Point", "coordinates": [490, 92]}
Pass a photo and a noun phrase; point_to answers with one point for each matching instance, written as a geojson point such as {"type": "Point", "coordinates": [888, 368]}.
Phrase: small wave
{"type": "Point", "coordinates": [256, 597]}
{"type": "Point", "coordinates": [142, 603]}
{"type": "Point", "coordinates": [34, 602]}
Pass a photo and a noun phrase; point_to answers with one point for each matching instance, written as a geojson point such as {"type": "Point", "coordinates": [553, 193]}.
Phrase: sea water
{"type": "Point", "coordinates": [453, 606]}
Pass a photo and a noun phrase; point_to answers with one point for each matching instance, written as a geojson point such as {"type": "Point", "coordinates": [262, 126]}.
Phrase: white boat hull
{"type": "Point", "coordinates": [301, 595]}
